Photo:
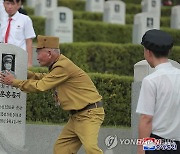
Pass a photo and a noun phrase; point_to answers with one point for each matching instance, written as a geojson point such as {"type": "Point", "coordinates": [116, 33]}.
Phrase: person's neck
{"type": "Point", "coordinates": [160, 61]}
{"type": "Point", "coordinates": [55, 59]}
{"type": "Point", "coordinates": [11, 15]}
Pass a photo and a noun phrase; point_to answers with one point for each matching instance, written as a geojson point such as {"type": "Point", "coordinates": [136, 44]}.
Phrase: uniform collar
{"type": "Point", "coordinates": [15, 16]}
{"type": "Point", "coordinates": [51, 66]}
{"type": "Point", "coordinates": [163, 65]}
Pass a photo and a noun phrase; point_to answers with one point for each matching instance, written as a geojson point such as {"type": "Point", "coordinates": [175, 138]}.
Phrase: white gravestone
{"type": "Point", "coordinates": [60, 23]}
{"type": "Point", "coordinates": [95, 5]}
{"type": "Point", "coordinates": [142, 23]}
{"type": "Point", "coordinates": [31, 3]}
{"type": "Point", "coordinates": [153, 6]}
{"type": "Point", "coordinates": [12, 101]}
{"type": "Point", "coordinates": [175, 17]}
{"type": "Point", "coordinates": [114, 12]}
{"type": "Point", "coordinates": [43, 7]}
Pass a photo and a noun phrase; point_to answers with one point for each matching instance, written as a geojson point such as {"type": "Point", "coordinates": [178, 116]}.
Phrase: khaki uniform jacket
{"type": "Point", "coordinates": [74, 88]}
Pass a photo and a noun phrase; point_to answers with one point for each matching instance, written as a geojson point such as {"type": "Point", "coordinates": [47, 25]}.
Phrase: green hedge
{"type": "Point", "coordinates": [87, 31]}
{"type": "Point", "coordinates": [131, 8]}
{"type": "Point", "coordinates": [38, 24]}
{"type": "Point", "coordinates": [116, 92]}
{"type": "Point", "coordinates": [107, 57]}
{"type": "Point", "coordinates": [30, 11]}
{"type": "Point", "coordinates": [104, 58]}
{"type": "Point", "coordinates": [82, 15]}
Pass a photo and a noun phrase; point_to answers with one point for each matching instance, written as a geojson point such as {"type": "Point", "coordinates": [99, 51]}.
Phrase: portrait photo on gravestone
{"type": "Point", "coordinates": [48, 3]}
{"type": "Point", "coordinates": [8, 63]}
{"type": "Point", "coordinates": [150, 22]}
{"type": "Point", "coordinates": [62, 16]}
{"type": "Point", "coordinates": [153, 3]}
{"type": "Point", "coordinates": [117, 8]}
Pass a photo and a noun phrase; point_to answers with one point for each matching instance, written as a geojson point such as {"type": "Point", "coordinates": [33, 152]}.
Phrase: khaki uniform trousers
{"type": "Point", "coordinates": [82, 128]}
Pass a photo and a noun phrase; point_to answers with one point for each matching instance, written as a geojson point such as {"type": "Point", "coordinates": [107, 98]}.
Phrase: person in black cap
{"type": "Point", "coordinates": [159, 99]}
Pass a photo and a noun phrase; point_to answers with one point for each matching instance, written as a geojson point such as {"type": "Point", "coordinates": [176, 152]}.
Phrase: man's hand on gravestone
{"type": "Point", "coordinates": [6, 78]}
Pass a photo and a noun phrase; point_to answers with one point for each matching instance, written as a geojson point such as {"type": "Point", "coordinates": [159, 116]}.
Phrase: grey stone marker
{"type": "Point", "coordinates": [175, 17]}
{"type": "Point", "coordinates": [60, 23]}
{"type": "Point", "coordinates": [12, 102]}
{"type": "Point", "coordinates": [31, 3]}
{"type": "Point", "coordinates": [141, 70]}
{"type": "Point", "coordinates": [95, 5]}
{"type": "Point", "coordinates": [43, 7]}
{"type": "Point", "coordinates": [114, 12]}
{"type": "Point", "coordinates": [142, 23]}
{"type": "Point", "coordinates": [153, 6]}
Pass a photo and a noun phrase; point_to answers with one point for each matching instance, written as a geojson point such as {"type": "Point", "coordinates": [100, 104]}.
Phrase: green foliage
{"type": "Point", "coordinates": [30, 11]}
{"type": "Point", "coordinates": [89, 31]}
{"type": "Point", "coordinates": [38, 24]}
{"type": "Point", "coordinates": [77, 5]}
{"type": "Point", "coordinates": [108, 57]}
{"type": "Point", "coordinates": [133, 9]}
{"type": "Point", "coordinates": [82, 15]}
{"type": "Point", "coordinates": [116, 92]}
{"type": "Point", "coordinates": [165, 11]}
{"type": "Point", "coordinates": [85, 31]}
{"type": "Point", "coordinates": [174, 33]}
{"type": "Point", "coordinates": [104, 57]}
{"type": "Point", "coordinates": [116, 97]}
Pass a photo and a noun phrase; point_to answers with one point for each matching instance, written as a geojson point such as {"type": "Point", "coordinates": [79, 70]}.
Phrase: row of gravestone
{"type": "Point", "coordinates": [59, 20]}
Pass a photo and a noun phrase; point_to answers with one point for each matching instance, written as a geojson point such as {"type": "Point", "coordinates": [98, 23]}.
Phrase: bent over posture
{"type": "Point", "coordinates": [73, 90]}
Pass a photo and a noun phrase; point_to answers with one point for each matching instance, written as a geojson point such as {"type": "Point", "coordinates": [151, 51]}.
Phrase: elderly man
{"type": "Point", "coordinates": [74, 91]}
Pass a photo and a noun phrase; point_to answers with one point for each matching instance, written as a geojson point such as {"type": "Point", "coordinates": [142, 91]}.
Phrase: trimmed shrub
{"type": "Point", "coordinates": [85, 31]}
{"type": "Point", "coordinates": [108, 57]}
{"type": "Point", "coordinates": [104, 58]}
{"type": "Point", "coordinates": [82, 15]}
{"type": "Point", "coordinates": [38, 24]}
{"type": "Point", "coordinates": [30, 11]}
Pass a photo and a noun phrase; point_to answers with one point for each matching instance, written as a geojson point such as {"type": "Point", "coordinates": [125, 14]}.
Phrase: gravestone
{"type": "Point", "coordinates": [60, 23]}
{"type": "Point", "coordinates": [95, 5]}
{"type": "Point", "coordinates": [175, 17]}
{"type": "Point", "coordinates": [114, 12]}
{"type": "Point", "coordinates": [43, 7]}
{"type": "Point", "coordinates": [12, 101]}
{"type": "Point", "coordinates": [142, 23]}
{"type": "Point", "coordinates": [31, 3]}
{"type": "Point", "coordinates": [141, 70]}
{"type": "Point", "coordinates": [153, 6]}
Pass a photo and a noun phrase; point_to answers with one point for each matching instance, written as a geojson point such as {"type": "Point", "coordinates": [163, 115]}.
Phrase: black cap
{"type": "Point", "coordinates": [8, 58]}
{"type": "Point", "coordinates": [157, 40]}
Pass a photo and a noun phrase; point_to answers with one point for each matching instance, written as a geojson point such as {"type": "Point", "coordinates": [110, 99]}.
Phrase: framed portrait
{"type": "Point", "coordinates": [48, 3]}
{"type": "Point", "coordinates": [153, 3]}
{"type": "Point", "coordinates": [117, 8]}
{"type": "Point", "coordinates": [62, 17]}
{"type": "Point", "coordinates": [150, 22]}
{"type": "Point", "coordinates": [8, 63]}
